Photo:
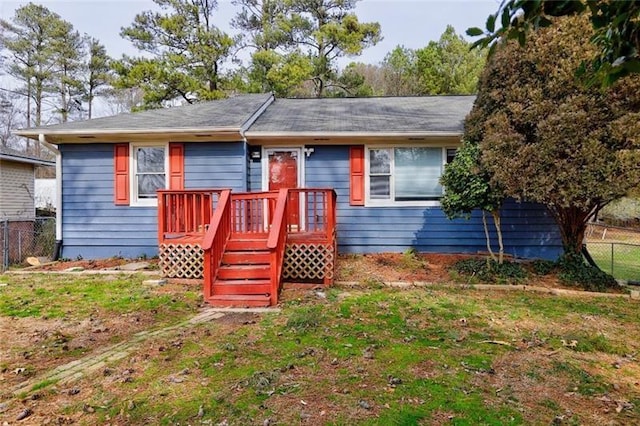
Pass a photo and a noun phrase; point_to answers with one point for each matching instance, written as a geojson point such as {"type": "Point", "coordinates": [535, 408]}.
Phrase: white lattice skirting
{"type": "Point", "coordinates": [181, 260]}
{"type": "Point", "coordinates": [308, 262]}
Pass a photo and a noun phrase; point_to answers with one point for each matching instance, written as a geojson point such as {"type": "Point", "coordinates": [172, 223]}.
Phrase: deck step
{"type": "Point", "coordinates": [245, 245]}
{"type": "Point", "coordinates": [243, 272]}
{"type": "Point", "coordinates": [246, 287]}
{"type": "Point", "coordinates": [240, 301]}
{"type": "Point", "coordinates": [246, 257]}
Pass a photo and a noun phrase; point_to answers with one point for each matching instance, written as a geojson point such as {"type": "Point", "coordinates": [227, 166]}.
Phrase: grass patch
{"type": "Point", "coordinates": [373, 356]}
{"type": "Point", "coordinates": [54, 296]}
{"type": "Point", "coordinates": [43, 384]}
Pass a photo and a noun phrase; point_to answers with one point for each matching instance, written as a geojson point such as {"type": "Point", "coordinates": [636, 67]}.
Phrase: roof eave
{"type": "Point", "coordinates": [18, 159]}
{"type": "Point", "coordinates": [350, 137]}
{"type": "Point", "coordinates": [128, 135]}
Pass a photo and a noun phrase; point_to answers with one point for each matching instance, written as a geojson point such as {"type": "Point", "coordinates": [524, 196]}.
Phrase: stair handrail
{"type": "Point", "coordinates": [277, 241]}
{"type": "Point", "coordinates": [216, 239]}
{"type": "Point", "coordinates": [331, 216]}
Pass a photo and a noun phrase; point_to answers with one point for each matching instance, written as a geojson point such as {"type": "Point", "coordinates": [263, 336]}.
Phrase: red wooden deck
{"type": "Point", "coordinates": [245, 236]}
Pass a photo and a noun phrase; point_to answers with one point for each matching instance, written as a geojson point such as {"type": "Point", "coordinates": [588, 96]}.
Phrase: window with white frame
{"type": "Point", "coordinates": [405, 175]}
{"type": "Point", "coordinates": [148, 172]}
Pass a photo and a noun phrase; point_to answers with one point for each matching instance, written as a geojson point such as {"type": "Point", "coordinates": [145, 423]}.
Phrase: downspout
{"type": "Point", "coordinates": [58, 248]}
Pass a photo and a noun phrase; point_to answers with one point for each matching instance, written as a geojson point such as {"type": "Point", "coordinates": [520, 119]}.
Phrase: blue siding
{"type": "Point", "coordinates": [528, 229]}
{"type": "Point", "coordinates": [254, 175]}
{"type": "Point", "coordinates": [215, 165]}
{"type": "Point", "coordinates": [94, 227]}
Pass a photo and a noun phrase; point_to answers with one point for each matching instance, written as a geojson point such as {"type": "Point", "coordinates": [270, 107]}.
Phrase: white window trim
{"type": "Point", "coordinates": [368, 202]}
{"type": "Point", "coordinates": [133, 187]}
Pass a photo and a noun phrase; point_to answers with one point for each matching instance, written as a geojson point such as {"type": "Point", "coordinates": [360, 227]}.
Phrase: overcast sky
{"type": "Point", "coordinates": [412, 23]}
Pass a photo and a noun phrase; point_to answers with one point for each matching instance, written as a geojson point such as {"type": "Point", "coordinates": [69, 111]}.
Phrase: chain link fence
{"type": "Point", "coordinates": [615, 250]}
{"type": "Point", "coordinates": [20, 239]}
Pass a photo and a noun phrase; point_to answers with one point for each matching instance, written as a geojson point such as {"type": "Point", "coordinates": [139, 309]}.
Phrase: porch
{"type": "Point", "coordinates": [245, 245]}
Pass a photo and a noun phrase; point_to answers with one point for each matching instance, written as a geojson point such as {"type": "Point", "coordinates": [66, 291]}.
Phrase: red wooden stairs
{"type": "Point", "coordinates": [245, 238]}
{"type": "Point", "coordinates": [244, 275]}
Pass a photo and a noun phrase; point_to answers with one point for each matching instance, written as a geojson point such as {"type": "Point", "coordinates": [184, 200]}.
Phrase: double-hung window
{"type": "Point", "coordinates": [405, 175]}
{"type": "Point", "coordinates": [149, 172]}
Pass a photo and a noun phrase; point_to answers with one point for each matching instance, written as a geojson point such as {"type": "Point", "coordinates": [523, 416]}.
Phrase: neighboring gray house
{"type": "Point", "coordinates": [17, 189]}
{"type": "Point", "coordinates": [17, 205]}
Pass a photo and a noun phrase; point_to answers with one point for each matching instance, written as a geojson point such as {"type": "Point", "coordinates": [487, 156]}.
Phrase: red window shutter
{"type": "Point", "coordinates": [356, 184]}
{"type": "Point", "coordinates": [121, 171]}
{"type": "Point", "coordinates": [176, 166]}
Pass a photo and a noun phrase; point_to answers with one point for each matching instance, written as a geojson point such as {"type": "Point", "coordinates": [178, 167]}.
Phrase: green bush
{"type": "Point", "coordinates": [575, 271]}
{"type": "Point", "coordinates": [543, 267]}
{"type": "Point", "coordinates": [491, 271]}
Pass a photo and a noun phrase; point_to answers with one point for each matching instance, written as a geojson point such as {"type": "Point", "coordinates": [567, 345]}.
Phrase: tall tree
{"type": "Point", "coordinates": [29, 39]}
{"type": "Point", "coordinates": [68, 65]}
{"type": "Point", "coordinates": [327, 30]}
{"type": "Point", "coordinates": [400, 72]}
{"type": "Point", "coordinates": [10, 117]}
{"type": "Point", "coordinates": [187, 52]}
{"type": "Point", "coordinates": [96, 75]}
{"type": "Point", "coordinates": [616, 27]}
{"type": "Point", "coordinates": [448, 66]}
{"type": "Point", "coordinates": [374, 76]}
{"type": "Point", "coordinates": [548, 138]}
{"type": "Point", "coordinates": [262, 25]}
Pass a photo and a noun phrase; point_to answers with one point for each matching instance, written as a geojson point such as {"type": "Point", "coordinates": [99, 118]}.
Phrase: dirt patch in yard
{"type": "Point", "coordinates": [389, 267]}
{"type": "Point", "coordinates": [94, 264]}
{"type": "Point", "coordinates": [33, 344]}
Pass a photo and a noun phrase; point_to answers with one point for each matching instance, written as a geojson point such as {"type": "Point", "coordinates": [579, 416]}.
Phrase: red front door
{"type": "Point", "coordinates": [283, 173]}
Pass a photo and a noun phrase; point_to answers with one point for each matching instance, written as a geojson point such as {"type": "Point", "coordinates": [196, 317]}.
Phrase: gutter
{"type": "Point", "coordinates": [43, 140]}
{"type": "Point", "coordinates": [94, 133]}
{"type": "Point", "coordinates": [325, 135]}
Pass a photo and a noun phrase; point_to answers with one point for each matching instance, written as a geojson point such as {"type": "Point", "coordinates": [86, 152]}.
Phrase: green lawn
{"type": "Point", "coordinates": [626, 259]}
{"type": "Point", "coordinates": [375, 356]}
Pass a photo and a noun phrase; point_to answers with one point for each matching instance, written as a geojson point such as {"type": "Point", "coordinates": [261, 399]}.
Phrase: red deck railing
{"type": "Point", "coordinates": [277, 241]}
{"type": "Point", "coordinates": [216, 239]}
{"type": "Point", "coordinates": [250, 213]}
{"type": "Point", "coordinates": [185, 213]}
{"type": "Point", "coordinates": [311, 213]}
{"type": "Point", "coordinates": [211, 217]}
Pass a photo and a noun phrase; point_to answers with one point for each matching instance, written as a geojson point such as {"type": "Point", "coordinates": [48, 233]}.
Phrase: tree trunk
{"type": "Point", "coordinates": [572, 222]}
{"type": "Point", "coordinates": [90, 99]}
{"type": "Point", "coordinates": [498, 224]}
{"type": "Point", "coordinates": [486, 234]}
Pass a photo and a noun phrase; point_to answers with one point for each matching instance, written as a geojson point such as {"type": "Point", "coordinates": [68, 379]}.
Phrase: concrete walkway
{"type": "Point", "coordinates": [92, 363]}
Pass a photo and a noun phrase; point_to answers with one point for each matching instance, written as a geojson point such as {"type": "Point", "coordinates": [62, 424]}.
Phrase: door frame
{"type": "Point", "coordinates": [265, 163]}
{"type": "Point", "coordinates": [301, 172]}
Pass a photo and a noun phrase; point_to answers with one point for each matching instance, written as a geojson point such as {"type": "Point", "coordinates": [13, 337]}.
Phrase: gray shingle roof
{"type": "Point", "coordinates": [426, 114]}
{"type": "Point", "coordinates": [230, 113]}
{"type": "Point", "coordinates": [343, 116]}
{"type": "Point", "coordinates": [21, 157]}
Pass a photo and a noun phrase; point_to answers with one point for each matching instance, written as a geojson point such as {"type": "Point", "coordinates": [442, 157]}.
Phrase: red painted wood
{"type": "Point", "coordinates": [121, 174]}
{"type": "Point", "coordinates": [243, 272]}
{"type": "Point", "coordinates": [356, 181]}
{"type": "Point", "coordinates": [176, 165]}
{"type": "Point", "coordinates": [245, 257]}
{"type": "Point", "coordinates": [283, 174]}
{"type": "Point", "coordinates": [216, 239]}
{"type": "Point", "coordinates": [239, 301]}
{"type": "Point", "coordinates": [185, 213]}
{"type": "Point", "coordinates": [255, 287]}
{"type": "Point", "coordinates": [246, 244]}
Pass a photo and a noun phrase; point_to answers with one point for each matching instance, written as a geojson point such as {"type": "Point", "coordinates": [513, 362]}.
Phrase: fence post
{"type": "Point", "coordinates": [612, 259]}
